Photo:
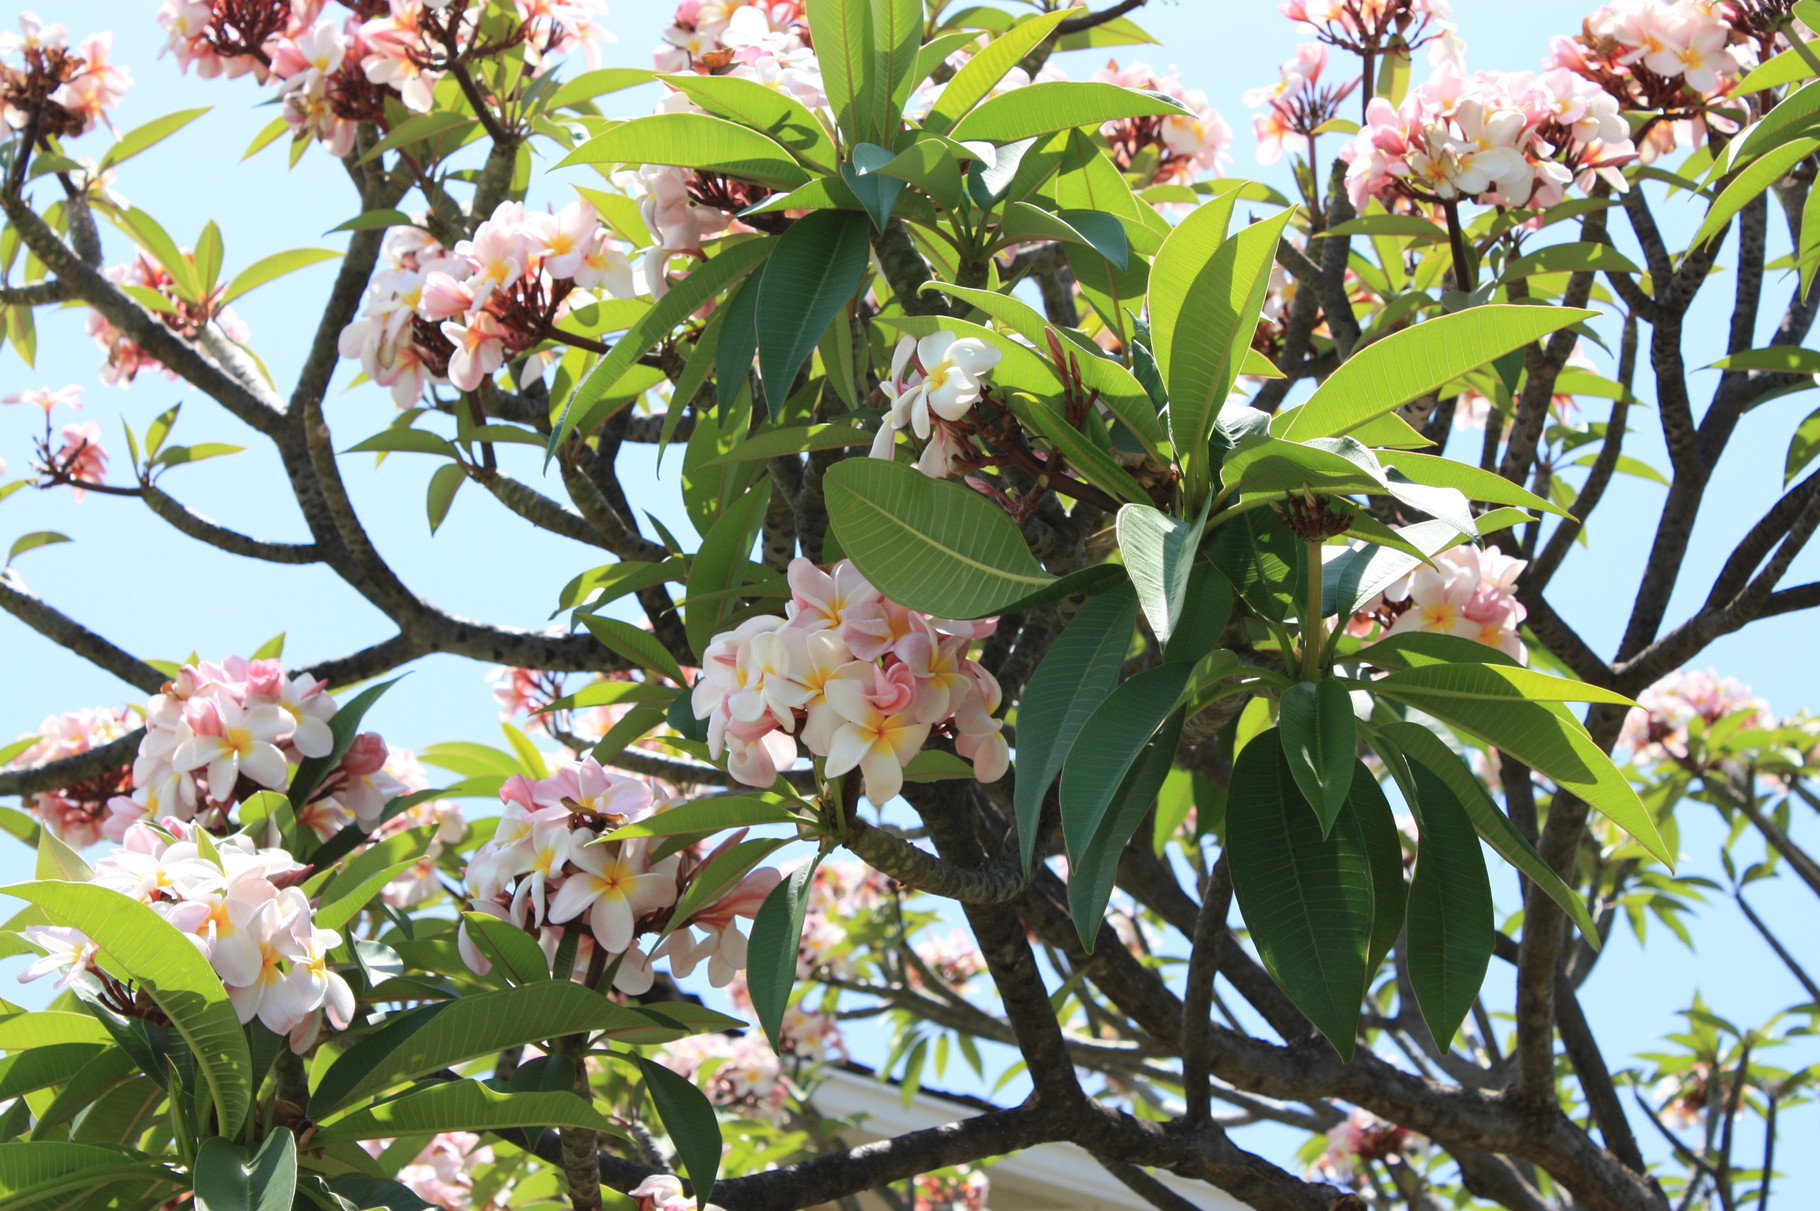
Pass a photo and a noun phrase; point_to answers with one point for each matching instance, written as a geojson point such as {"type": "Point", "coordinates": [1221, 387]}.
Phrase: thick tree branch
{"type": "Point", "coordinates": [71, 635]}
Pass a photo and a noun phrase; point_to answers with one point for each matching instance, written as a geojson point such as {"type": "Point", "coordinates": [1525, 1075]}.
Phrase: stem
{"type": "Point", "coordinates": [1314, 634]}
{"type": "Point", "coordinates": [1462, 263]}
{"type": "Point", "coordinates": [581, 1145]}
{"type": "Point", "coordinates": [1367, 80]}
{"type": "Point", "coordinates": [1800, 48]}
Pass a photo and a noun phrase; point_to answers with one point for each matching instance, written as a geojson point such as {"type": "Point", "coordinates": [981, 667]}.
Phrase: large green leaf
{"type": "Point", "coordinates": [1451, 932]}
{"type": "Point", "coordinates": [1762, 173]}
{"type": "Point", "coordinates": [343, 728]}
{"type": "Point", "coordinates": [929, 544]}
{"type": "Point", "coordinates": [897, 35]}
{"type": "Point", "coordinates": [587, 405]}
{"type": "Point", "coordinates": [1067, 687]}
{"type": "Point", "coordinates": [229, 1178]}
{"type": "Point", "coordinates": [690, 140]}
{"type": "Point", "coordinates": [1120, 728]}
{"type": "Point", "coordinates": [1549, 740]}
{"type": "Point", "coordinates": [39, 1169]}
{"type": "Point", "coordinates": [366, 874]}
{"type": "Point", "coordinates": [1386, 374]}
{"type": "Point", "coordinates": [816, 267]}
{"type": "Point", "coordinates": [777, 934]}
{"type": "Point", "coordinates": [138, 944]}
{"type": "Point", "coordinates": [1158, 551]}
{"type": "Point", "coordinates": [1219, 313]}
{"type": "Point", "coordinates": [689, 1119]}
{"type": "Point", "coordinates": [760, 107]}
{"type": "Point", "coordinates": [1320, 741]}
{"type": "Point", "coordinates": [1051, 105]}
{"type": "Point", "coordinates": [1419, 745]}
{"type": "Point", "coordinates": [1179, 265]}
{"type": "Point", "coordinates": [1495, 682]}
{"type": "Point", "coordinates": [1307, 899]}
{"type": "Point", "coordinates": [463, 1106]}
{"type": "Point", "coordinates": [980, 74]}
{"type": "Point", "coordinates": [37, 1067]}
{"type": "Point", "coordinates": [270, 268]}
{"type": "Point", "coordinates": [843, 49]}
{"type": "Point", "coordinates": [439, 1036]}
{"type": "Point", "coordinates": [1090, 878]}
{"type": "Point", "coordinates": [1366, 804]}
{"type": "Point", "coordinates": [1474, 483]}
{"type": "Point", "coordinates": [44, 1028]}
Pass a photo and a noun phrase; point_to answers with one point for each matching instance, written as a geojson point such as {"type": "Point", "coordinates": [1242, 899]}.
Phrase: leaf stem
{"type": "Point", "coordinates": [1462, 263]}
{"type": "Point", "coordinates": [1314, 635]}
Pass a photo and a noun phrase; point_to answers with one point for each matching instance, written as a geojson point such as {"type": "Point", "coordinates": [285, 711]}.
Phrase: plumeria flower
{"type": "Point", "coordinates": [65, 950]}
{"type": "Point", "coordinates": [953, 368]}
{"type": "Point", "coordinates": [46, 398]}
{"type": "Point", "coordinates": [613, 885]}
{"type": "Point", "coordinates": [230, 741]}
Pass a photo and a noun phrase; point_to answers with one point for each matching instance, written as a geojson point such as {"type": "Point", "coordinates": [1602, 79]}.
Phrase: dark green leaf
{"type": "Point", "coordinates": [228, 1178]}
{"type": "Point", "coordinates": [1320, 741]}
{"type": "Point", "coordinates": [814, 270]}
{"type": "Point", "coordinates": [777, 934]}
{"type": "Point", "coordinates": [690, 1121]}
{"type": "Point", "coordinates": [1451, 931]}
{"type": "Point", "coordinates": [1120, 727]}
{"type": "Point", "coordinates": [1366, 804]}
{"type": "Point", "coordinates": [1090, 878]}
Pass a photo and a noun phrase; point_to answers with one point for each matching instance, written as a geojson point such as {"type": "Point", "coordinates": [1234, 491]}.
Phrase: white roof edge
{"type": "Point", "coordinates": [1061, 1168]}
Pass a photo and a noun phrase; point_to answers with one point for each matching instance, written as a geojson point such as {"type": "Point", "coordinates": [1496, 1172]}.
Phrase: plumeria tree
{"type": "Point", "coordinates": [1119, 609]}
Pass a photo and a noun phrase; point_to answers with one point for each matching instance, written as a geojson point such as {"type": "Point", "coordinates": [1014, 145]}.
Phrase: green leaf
{"type": "Point", "coordinates": [467, 1028]}
{"type": "Point", "coordinates": [712, 814]}
{"type": "Point", "coordinates": [514, 954]}
{"type": "Point", "coordinates": [897, 33]}
{"type": "Point", "coordinates": [1451, 932]}
{"type": "Point", "coordinates": [366, 874]}
{"type": "Point", "coordinates": [208, 256]}
{"type": "Point", "coordinates": [1219, 314]}
{"type": "Point", "coordinates": [366, 220]}
{"type": "Point", "coordinates": [1158, 551]}
{"type": "Point", "coordinates": [792, 439]}
{"type": "Point", "coordinates": [876, 189]}
{"type": "Point", "coordinates": [1802, 447]}
{"type": "Point", "coordinates": [46, 1028]}
{"type": "Point", "coordinates": [1365, 803]}
{"type": "Point", "coordinates": [1320, 741]}
{"type": "Point", "coordinates": [146, 136]}
{"type": "Point", "coordinates": [444, 483]}
{"type": "Point", "coordinates": [176, 456]}
{"type": "Point", "coordinates": [270, 268]}
{"type": "Point", "coordinates": [1090, 878]}
{"type": "Point", "coordinates": [585, 407]}
{"type": "Point", "coordinates": [777, 934]}
{"type": "Point", "coordinates": [759, 107]}
{"type": "Point", "coordinates": [51, 1064]}
{"type": "Point", "coordinates": [1549, 740]}
{"type": "Point", "coordinates": [981, 73]}
{"type": "Point", "coordinates": [929, 544]}
{"type": "Point", "coordinates": [228, 1178]}
{"type": "Point", "coordinates": [720, 565]}
{"type": "Point", "coordinates": [1072, 681]}
{"type": "Point", "coordinates": [690, 140]}
{"type": "Point", "coordinates": [1262, 464]}
{"type": "Point", "coordinates": [725, 869]}
{"type": "Point", "coordinates": [1494, 682]}
{"type": "Point", "coordinates": [1386, 374]}
{"type": "Point", "coordinates": [34, 540]}
{"type": "Point", "coordinates": [591, 84]}
{"type": "Point", "coordinates": [1473, 483]}
{"type": "Point", "coordinates": [1787, 359]}
{"type": "Point", "coordinates": [1761, 173]}
{"type": "Point", "coordinates": [1181, 269]}
{"type": "Point", "coordinates": [1571, 258]}
{"type": "Point", "coordinates": [817, 265]}
{"type": "Point", "coordinates": [464, 1106]}
{"type": "Point", "coordinates": [1085, 458]}
{"type": "Point", "coordinates": [844, 50]}
{"type": "Point", "coordinates": [45, 1167]}
{"type": "Point", "coordinates": [1307, 899]}
{"type": "Point", "coordinates": [1120, 727]}
{"type": "Point", "coordinates": [138, 944]}
{"type": "Point", "coordinates": [635, 644]}
{"type": "Point", "coordinates": [1420, 745]}
{"type": "Point", "coordinates": [691, 1123]}
{"type": "Point", "coordinates": [1788, 118]}
{"type": "Point", "coordinates": [412, 441]}
{"type": "Point", "coordinates": [1051, 105]}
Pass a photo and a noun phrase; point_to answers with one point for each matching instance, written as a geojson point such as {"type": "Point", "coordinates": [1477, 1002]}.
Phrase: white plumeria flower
{"type": "Point", "coordinates": [615, 887]}
{"type": "Point", "coordinates": [229, 740]}
{"type": "Point", "coordinates": [952, 368]}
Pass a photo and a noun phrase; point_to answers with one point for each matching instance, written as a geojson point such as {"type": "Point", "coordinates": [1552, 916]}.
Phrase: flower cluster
{"type": "Point", "coordinates": [548, 866]}
{"type": "Point", "coordinates": [1659, 730]}
{"type": "Point", "coordinates": [458, 315]}
{"type": "Point", "coordinates": [240, 906]}
{"type": "Point", "coordinates": [1502, 138]}
{"type": "Point", "coordinates": [332, 73]}
{"type": "Point", "coordinates": [52, 92]}
{"type": "Point", "coordinates": [442, 1174]}
{"type": "Point", "coordinates": [709, 36]}
{"type": "Point", "coordinates": [1297, 105]}
{"type": "Point", "coordinates": [1670, 58]}
{"type": "Point", "coordinates": [739, 1073]}
{"type": "Point", "coordinates": [861, 680]}
{"type": "Point", "coordinates": [218, 733]}
{"type": "Point", "coordinates": [933, 385]}
{"type": "Point", "coordinates": [125, 358]}
{"type": "Point", "coordinates": [1173, 147]}
{"type": "Point", "coordinates": [664, 1192]}
{"type": "Point", "coordinates": [961, 1188]}
{"type": "Point", "coordinates": [76, 814]}
{"type": "Point", "coordinates": [1361, 1139]}
{"type": "Point", "coordinates": [1467, 592]}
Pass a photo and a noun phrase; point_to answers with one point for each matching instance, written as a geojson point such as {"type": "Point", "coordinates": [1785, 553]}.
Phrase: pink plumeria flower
{"type": "Point", "coordinates": [46, 398]}
{"type": "Point", "coordinates": [217, 733]}
{"type": "Point", "coordinates": [614, 886]}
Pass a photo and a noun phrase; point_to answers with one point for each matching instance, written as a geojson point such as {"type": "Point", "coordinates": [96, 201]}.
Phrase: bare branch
{"type": "Point", "coordinates": [65, 632]}
{"type": "Point", "coordinates": [232, 541]}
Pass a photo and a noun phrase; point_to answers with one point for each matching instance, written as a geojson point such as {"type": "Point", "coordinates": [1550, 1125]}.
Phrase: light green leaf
{"type": "Point", "coordinates": [1787, 359]}
{"type": "Point", "coordinates": [844, 49]}
{"type": "Point", "coordinates": [34, 540]}
{"type": "Point", "coordinates": [514, 954]}
{"type": "Point", "coordinates": [1051, 105]}
{"type": "Point", "coordinates": [792, 439]}
{"type": "Point", "coordinates": [1307, 899]}
{"type": "Point", "coordinates": [366, 874]}
{"type": "Point", "coordinates": [690, 140]}
{"type": "Point", "coordinates": [720, 565]}
{"type": "Point", "coordinates": [897, 33]}
{"type": "Point", "coordinates": [759, 107]}
{"type": "Point", "coordinates": [635, 644]}
{"type": "Point", "coordinates": [138, 944]}
{"type": "Point", "coordinates": [1320, 741]}
{"type": "Point", "coordinates": [146, 136]}
{"type": "Point", "coordinates": [447, 127]}
{"type": "Point", "coordinates": [1158, 550]}
{"type": "Point", "coordinates": [1120, 728]}
{"type": "Point", "coordinates": [1389, 373]}
{"type": "Point", "coordinates": [712, 814]}
{"type": "Point", "coordinates": [1494, 682]}
{"type": "Point", "coordinates": [270, 268]}
{"type": "Point", "coordinates": [1574, 258]}
{"type": "Point", "coordinates": [1758, 176]}
{"type": "Point", "coordinates": [591, 84]}
{"type": "Point", "coordinates": [1803, 446]}
{"type": "Point", "coordinates": [1072, 681]}
{"type": "Point", "coordinates": [1474, 483]}
{"type": "Point", "coordinates": [929, 544]}
{"type": "Point", "coordinates": [982, 73]}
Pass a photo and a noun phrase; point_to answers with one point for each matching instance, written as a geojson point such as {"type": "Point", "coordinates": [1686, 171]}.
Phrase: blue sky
{"type": "Point", "coordinates": [159, 595]}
